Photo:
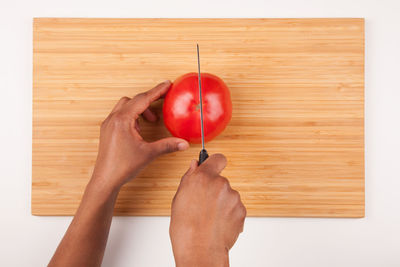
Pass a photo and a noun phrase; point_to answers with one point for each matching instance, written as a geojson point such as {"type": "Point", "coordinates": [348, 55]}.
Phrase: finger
{"type": "Point", "coordinates": [169, 145]}
{"type": "Point", "coordinates": [192, 167]}
{"type": "Point", "coordinates": [159, 91]}
{"type": "Point", "coordinates": [142, 101]}
{"type": "Point", "coordinates": [214, 164]}
{"type": "Point", "coordinates": [150, 115]}
{"type": "Point", "coordinates": [122, 101]}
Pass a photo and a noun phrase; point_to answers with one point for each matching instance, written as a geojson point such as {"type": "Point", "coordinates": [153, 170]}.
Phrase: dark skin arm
{"type": "Point", "coordinates": [85, 240]}
{"type": "Point", "coordinates": [122, 154]}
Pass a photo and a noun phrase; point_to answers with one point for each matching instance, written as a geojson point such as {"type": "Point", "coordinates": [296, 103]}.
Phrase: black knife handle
{"type": "Point", "coordinates": [203, 156]}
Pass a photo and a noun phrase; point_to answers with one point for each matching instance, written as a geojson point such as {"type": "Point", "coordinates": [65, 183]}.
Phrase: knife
{"type": "Point", "coordinates": [203, 153]}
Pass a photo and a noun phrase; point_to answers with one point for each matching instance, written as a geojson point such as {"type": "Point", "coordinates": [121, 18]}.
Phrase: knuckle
{"type": "Point", "coordinates": [239, 208]}
{"type": "Point", "coordinates": [222, 183]}
{"type": "Point", "coordinates": [124, 99]}
{"type": "Point", "coordinates": [236, 198]}
{"type": "Point", "coordinates": [225, 181]}
{"type": "Point", "coordinates": [169, 147]}
{"type": "Point", "coordinates": [242, 211]}
{"type": "Point", "coordinates": [236, 194]}
{"type": "Point", "coordinates": [117, 120]}
{"type": "Point", "coordinates": [140, 96]}
{"type": "Point", "coordinates": [105, 122]}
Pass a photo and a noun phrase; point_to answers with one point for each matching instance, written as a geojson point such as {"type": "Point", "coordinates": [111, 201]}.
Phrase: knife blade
{"type": "Point", "coordinates": [203, 152]}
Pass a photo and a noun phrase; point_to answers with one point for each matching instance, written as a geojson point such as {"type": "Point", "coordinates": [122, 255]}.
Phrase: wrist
{"type": "Point", "coordinates": [203, 258]}
{"type": "Point", "coordinates": [101, 184]}
{"type": "Point", "coordinates": [112, 177]}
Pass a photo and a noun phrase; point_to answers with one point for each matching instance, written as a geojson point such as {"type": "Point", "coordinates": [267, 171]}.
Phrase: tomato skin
{"type": "Point", "coordinates": [181, 108]}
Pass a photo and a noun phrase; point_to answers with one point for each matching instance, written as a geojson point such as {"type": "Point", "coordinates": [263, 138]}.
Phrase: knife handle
{"type": "Point", "coordinates": [203, 156]}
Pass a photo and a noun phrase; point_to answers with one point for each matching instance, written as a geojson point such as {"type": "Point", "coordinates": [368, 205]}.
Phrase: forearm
{"type": "Point", "coordinates": [85, 240]}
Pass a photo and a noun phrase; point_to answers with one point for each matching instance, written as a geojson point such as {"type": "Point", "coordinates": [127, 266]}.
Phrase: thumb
{"type": "Point", "coordinates": [169, 145]}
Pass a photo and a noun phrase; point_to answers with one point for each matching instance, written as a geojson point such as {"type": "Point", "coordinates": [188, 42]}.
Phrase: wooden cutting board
{"type": "Point", "coordinates": [295, 145]}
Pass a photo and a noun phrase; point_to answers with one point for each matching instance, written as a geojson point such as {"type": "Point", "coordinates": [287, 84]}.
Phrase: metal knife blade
{"type": "Point", "coordinates": [203, 153]}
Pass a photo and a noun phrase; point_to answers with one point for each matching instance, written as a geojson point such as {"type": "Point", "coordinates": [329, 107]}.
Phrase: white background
{"type": "Point", "coordinates": [26, 240]}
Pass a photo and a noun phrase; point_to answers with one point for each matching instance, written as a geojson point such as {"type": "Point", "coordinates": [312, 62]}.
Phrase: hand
{"type": "Point", "coordinates": [122, 151]}
{"type": "Point", "coordinates": [207, 216]}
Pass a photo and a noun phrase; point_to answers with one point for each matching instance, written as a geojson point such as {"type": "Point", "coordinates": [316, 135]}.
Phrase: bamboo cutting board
{"type": "Point", "coordinates": [295, 145]}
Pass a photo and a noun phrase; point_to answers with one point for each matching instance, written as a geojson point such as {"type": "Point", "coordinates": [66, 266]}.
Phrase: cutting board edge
{"type": "Point", "coordinates": [360, 214]}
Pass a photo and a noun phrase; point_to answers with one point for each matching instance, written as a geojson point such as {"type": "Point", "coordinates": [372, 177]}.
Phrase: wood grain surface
{"type": "Point", "coordinates": [295, 145]}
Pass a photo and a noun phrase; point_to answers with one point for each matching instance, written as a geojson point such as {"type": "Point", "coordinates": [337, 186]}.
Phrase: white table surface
{"type": "Point", "coordinates": [27, 240]}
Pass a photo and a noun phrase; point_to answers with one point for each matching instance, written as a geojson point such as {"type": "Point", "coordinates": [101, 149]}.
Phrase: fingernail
{"type": "Point", "coordinates": [183, 146]}
{"type": "Point", "coordinates": [166, 82]}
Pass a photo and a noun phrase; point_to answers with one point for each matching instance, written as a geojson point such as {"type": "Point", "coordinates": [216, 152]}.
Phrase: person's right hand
{"type": "Point", "coordinates": [207, 215]}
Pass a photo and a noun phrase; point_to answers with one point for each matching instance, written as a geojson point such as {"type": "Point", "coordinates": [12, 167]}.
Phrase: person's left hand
{"type": "Point", "coordinates": [122, 150]}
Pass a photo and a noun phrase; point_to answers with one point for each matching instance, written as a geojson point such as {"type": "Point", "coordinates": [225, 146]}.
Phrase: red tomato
{"type": "Point", "coordinates": [181, 108]}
